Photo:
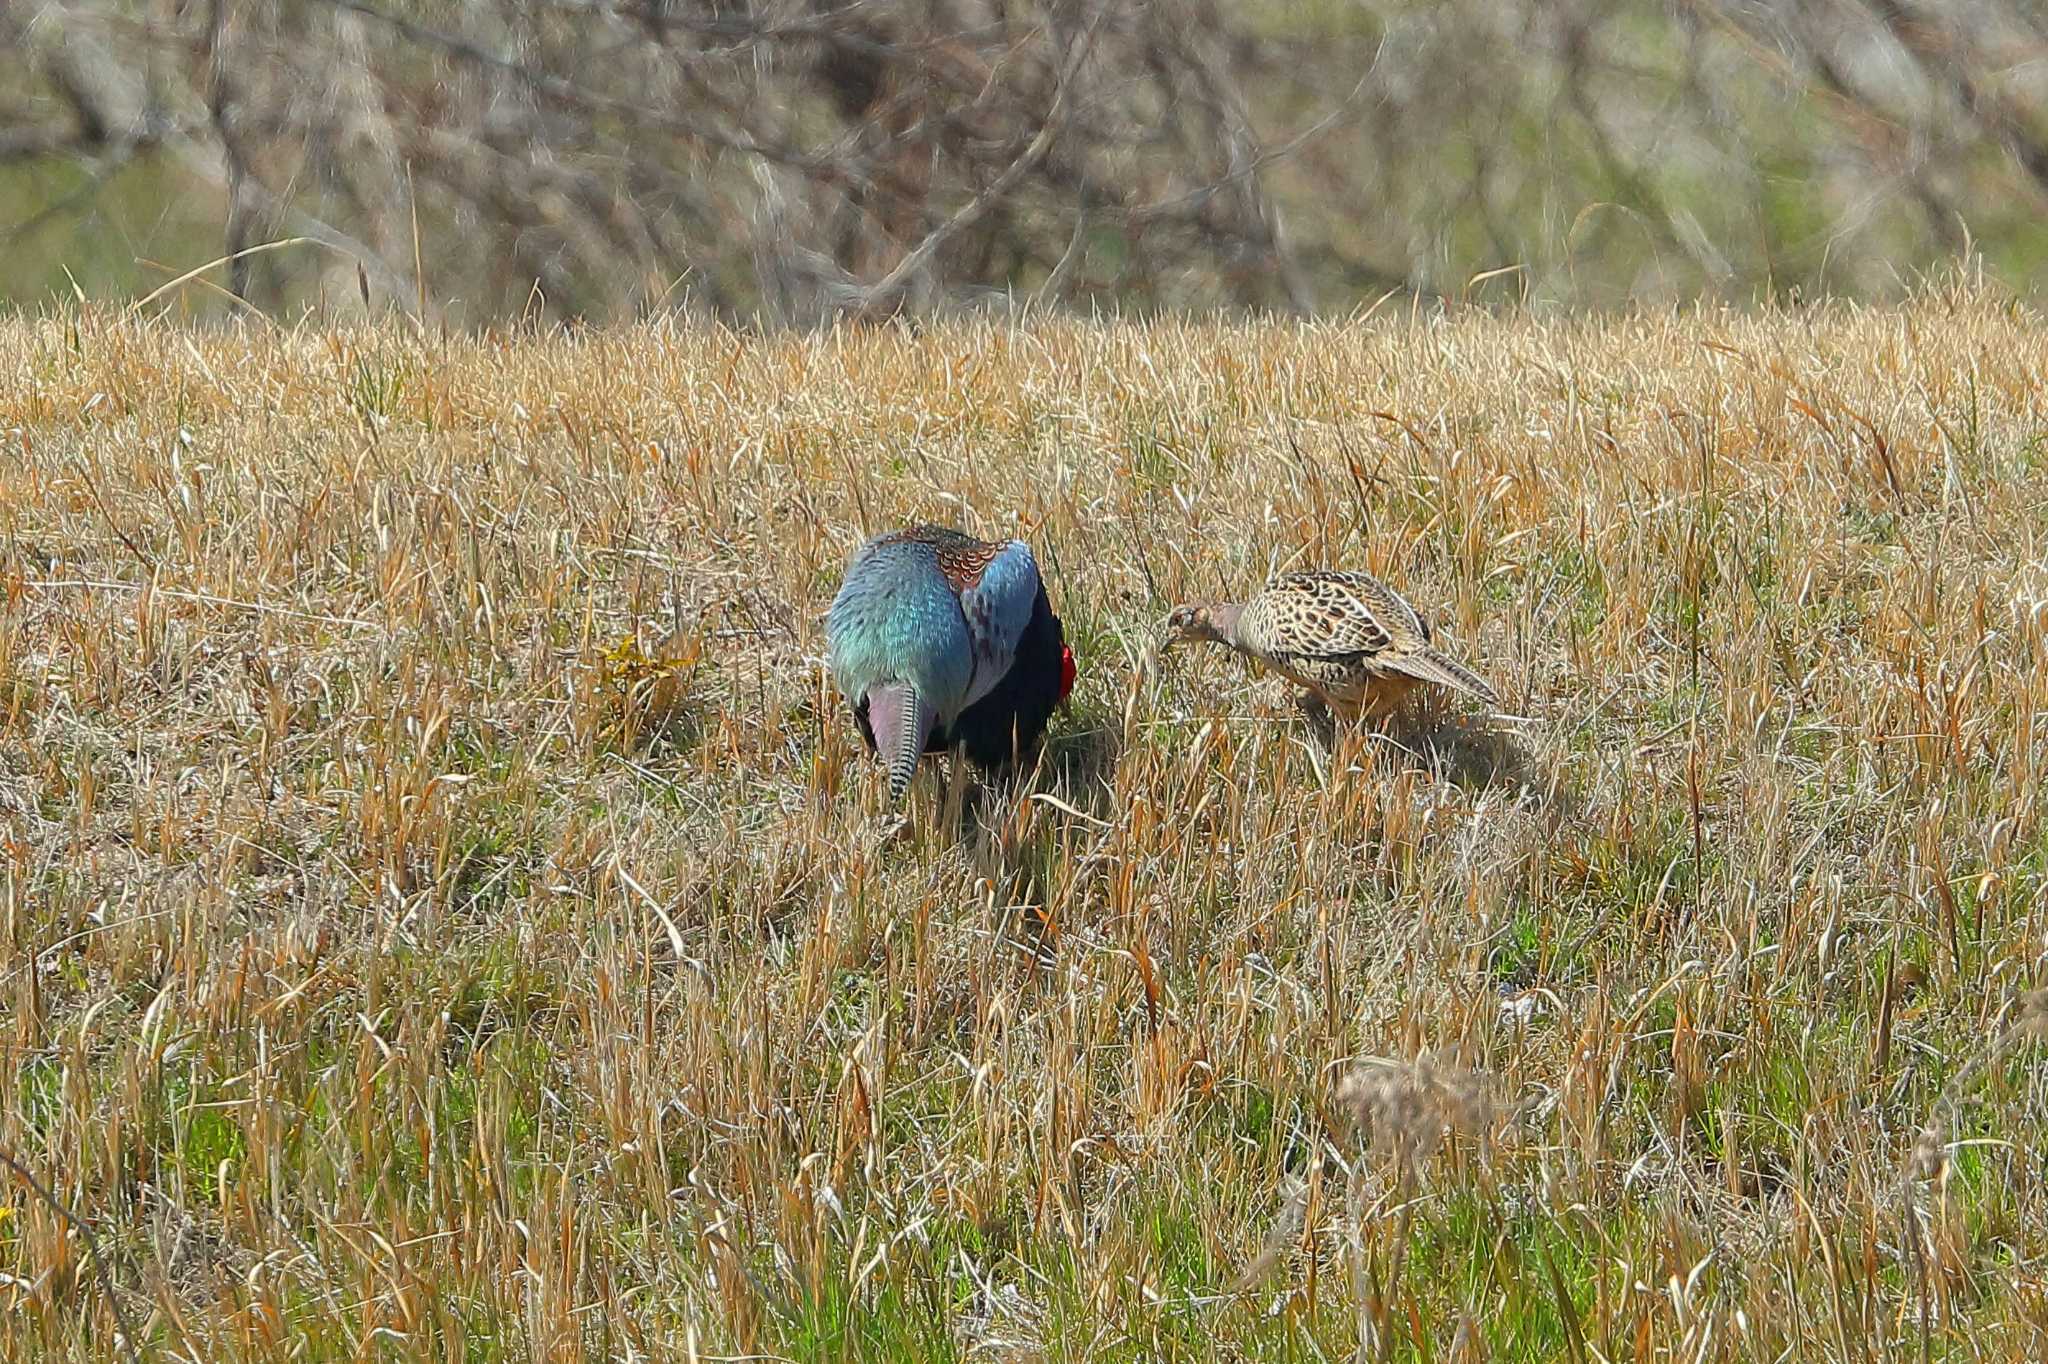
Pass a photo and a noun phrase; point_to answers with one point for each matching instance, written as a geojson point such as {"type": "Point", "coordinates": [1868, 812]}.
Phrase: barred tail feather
{"type": "Point", "coordinates": [1432, 665]}
{"type": "Point", "coordinates": [917, 717]}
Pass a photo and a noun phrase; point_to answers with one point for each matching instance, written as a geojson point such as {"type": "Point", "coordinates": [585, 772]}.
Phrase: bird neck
{"type": "Point", "coordinates": [1223, 619]}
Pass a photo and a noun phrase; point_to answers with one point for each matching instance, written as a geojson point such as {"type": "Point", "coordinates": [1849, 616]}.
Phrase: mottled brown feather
{"type": "Point", "coordinates": [1349, 638]}
{"type": "Point", "coordinates": [962, 558]}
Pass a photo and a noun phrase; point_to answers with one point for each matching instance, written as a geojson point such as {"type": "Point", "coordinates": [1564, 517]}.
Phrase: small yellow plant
{"type": "Point", "coordinates": [642, 689]}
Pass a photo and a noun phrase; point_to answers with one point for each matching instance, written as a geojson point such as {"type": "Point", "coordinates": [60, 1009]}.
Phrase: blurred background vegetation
{"type": "Point", "coordinates": [785, 162]}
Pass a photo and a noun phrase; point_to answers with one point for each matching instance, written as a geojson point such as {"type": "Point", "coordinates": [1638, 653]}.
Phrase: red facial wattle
{"type": "Point", "coordinates": [1066, 671]}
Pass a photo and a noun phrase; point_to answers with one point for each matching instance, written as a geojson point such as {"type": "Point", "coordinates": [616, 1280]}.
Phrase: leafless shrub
{"type": "Point", "coordinates": [799, 161]}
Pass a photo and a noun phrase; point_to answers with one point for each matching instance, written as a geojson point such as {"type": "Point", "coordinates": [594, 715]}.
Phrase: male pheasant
{"type": "Point", "coordinates": [1354, 642]}
{"type": "Point", "coordinates": [937, 639]}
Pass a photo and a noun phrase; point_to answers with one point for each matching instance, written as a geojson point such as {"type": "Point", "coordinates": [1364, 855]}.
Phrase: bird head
{"type": "Point", "coordinates": [1067, 671]}
{"type": "Point", "coordinates": [1191, 622]}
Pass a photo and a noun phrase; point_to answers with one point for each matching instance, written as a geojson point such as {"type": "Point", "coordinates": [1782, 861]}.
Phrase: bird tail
{"type": "Point", "coordinates": [1433, 665]}
{"type": "Point", "coordinates": [909, 742]}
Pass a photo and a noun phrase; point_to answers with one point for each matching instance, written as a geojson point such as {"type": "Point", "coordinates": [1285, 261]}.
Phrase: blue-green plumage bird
{"type": "Point", "coordinates": [936, 639]}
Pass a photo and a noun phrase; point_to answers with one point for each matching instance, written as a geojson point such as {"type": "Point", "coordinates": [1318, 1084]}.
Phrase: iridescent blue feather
{"type": "Point", "coordinates": [927, 627]}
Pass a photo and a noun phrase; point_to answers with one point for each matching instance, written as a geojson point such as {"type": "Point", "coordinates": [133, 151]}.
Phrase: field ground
{"type": "Point", "coordinates": [446, 914]}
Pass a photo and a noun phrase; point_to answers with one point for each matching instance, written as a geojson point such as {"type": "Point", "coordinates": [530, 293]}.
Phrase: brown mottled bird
{"type": "Point", "coordinates": [1350, 639]}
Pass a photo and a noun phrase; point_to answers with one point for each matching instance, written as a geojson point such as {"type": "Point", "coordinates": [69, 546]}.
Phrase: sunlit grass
{"type": "Point", "coordinates": [446, 913]}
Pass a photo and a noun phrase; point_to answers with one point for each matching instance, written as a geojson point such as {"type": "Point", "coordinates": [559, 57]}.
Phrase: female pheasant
{"type": "Point", "coordinates": [936, 639]}
{"type": "Point", "coordinates": [1349, 638]}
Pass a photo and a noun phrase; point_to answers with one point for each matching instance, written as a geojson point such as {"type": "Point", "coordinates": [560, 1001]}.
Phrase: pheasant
{"type": "Point", "coordinates": [1354, 642]}
{"type": "Point", "coordinates": [937, 639]}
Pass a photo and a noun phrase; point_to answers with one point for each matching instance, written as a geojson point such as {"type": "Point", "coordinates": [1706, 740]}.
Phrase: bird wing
{"type": "Point", "coordinates": [1327, 614]}
{"type": "Point", "coordinates": [897, 617]}
{"type": "Point", "coordinates": [997, 603]}
{"type": "Point", "coordinates": [1433, 665]}
{"type": "Point", "coordinates": [1355, 616]}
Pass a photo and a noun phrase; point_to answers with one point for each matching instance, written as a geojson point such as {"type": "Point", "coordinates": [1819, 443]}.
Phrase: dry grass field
{"type": "Point", "coordinates": [447, 914]}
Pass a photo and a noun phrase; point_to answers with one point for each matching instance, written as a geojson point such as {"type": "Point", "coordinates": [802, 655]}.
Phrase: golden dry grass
{"type": "Point", "coordinates": [447, 914]}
